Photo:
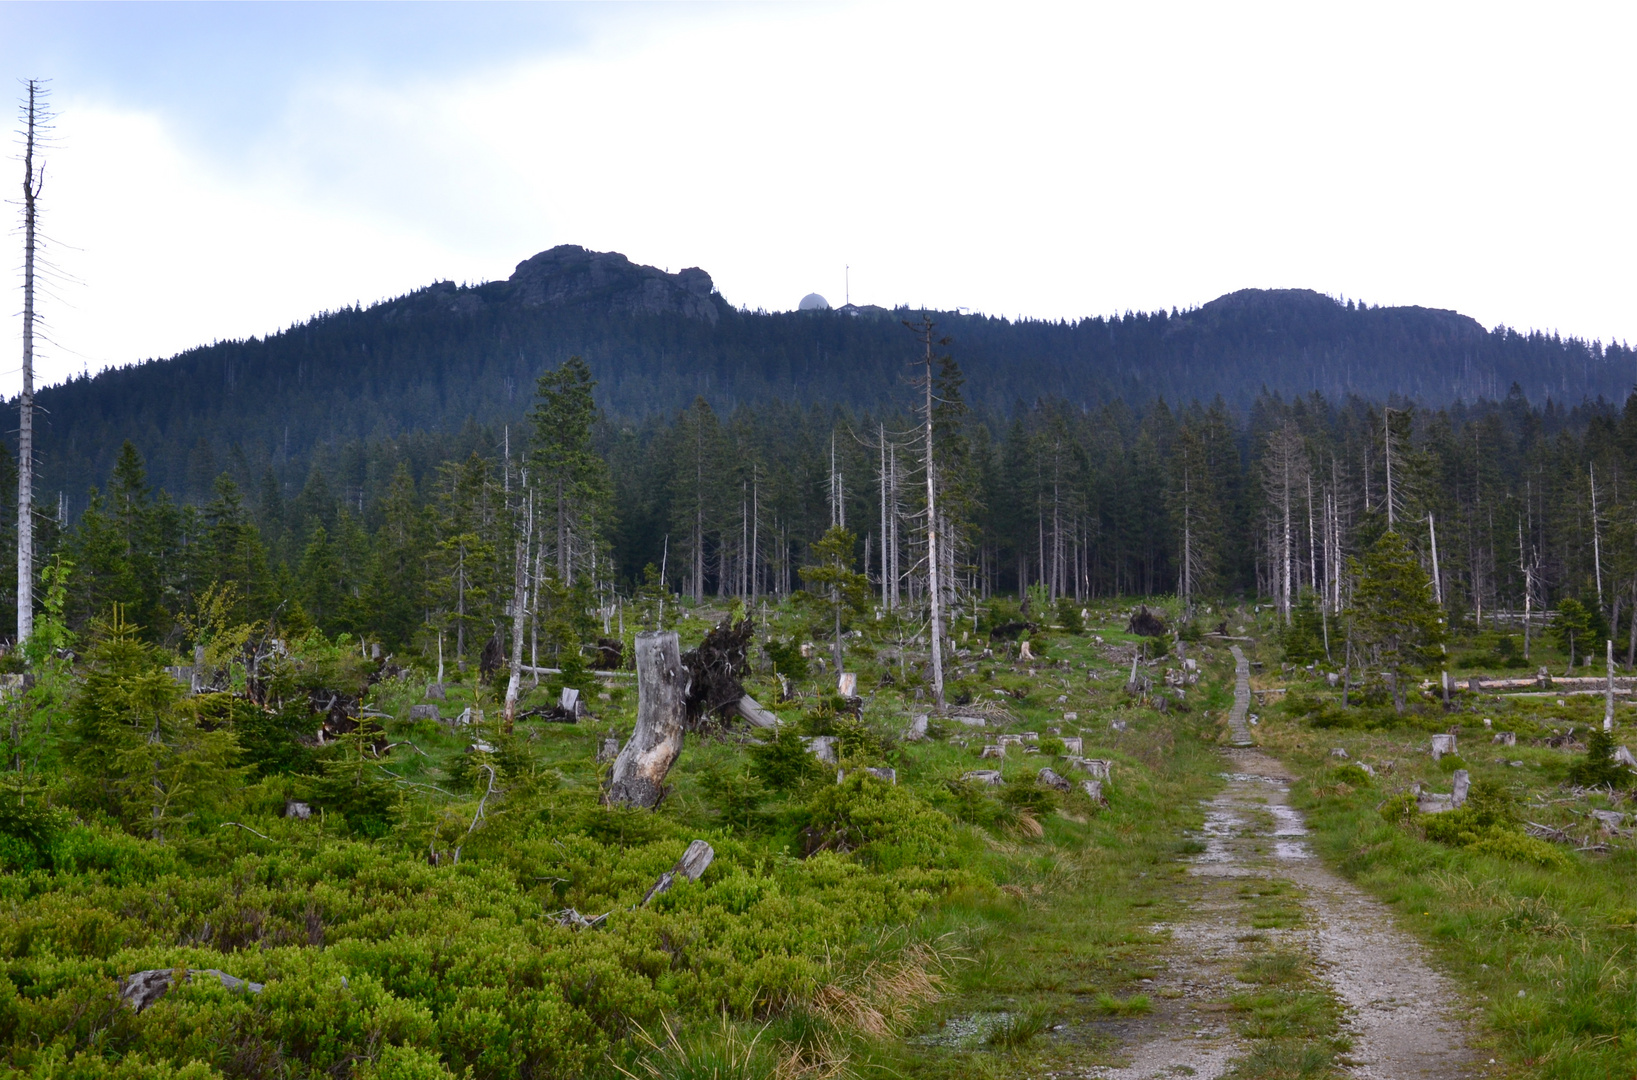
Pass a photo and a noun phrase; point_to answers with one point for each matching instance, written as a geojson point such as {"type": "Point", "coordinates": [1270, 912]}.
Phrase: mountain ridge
{"type": "Point", "coordinates": [439, 357]}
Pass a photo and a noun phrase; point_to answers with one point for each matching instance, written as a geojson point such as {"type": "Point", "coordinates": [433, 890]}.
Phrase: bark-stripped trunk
{"type": "Point", "coordinates": [25, 401]}
{"type": "Point", "coordinates": [520, 606]}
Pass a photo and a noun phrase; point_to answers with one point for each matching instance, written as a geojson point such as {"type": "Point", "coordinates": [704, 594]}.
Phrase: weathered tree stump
{"type": "Point", "coordinates": [608, 749]}
{"type": "Point", "coordinates": [822, 747]}
{"type": "Point", "coordinates": [1441, 745]}
{"type": "Point", "coordinates": [1339, 752]}
{"type": "Point", "coordinates": [299, 810]}
{"type": "Point", "coordinates": [917, 728]}
{"type": "Point", "coordinates": [1093, 790]}
{"type": "Point", "coordinates": [1506, 738]}
{"type": "Point", "coordinates": [1463, 784]}
{"type": "Point", "coordinates": [989, 777]}
{"type": "Point", "coordinates": [638, 775]}
{"type": "Point", "coordinates": [423, 712]}
{"type": "Point", "coordinates": [696, 860]}
{"type": "Point", "coordinates": [1101, 768]}
{"type": "Point", "coordinates": [884, 774]}
{"type": "Point", "coordinates": [1073, 745]}
{"type": "Point", "coordinates": [993, 752]}
{"type": "Point", "coordinates": [1050, 778]}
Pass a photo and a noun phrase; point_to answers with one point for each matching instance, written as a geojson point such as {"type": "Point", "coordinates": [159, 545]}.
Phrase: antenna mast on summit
{"type": "Point", "coordinates": [847, 286]}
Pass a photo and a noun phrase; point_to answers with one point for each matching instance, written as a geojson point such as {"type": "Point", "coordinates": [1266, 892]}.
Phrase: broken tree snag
{"type": "Point", "coordinates": [638, 775]}
{"type": "Point", "coordinates": [693, 864]}
{"type": "Point", "coordinates": [751, 709]}
{"type": "Point", "coordinates": [1441, 745]}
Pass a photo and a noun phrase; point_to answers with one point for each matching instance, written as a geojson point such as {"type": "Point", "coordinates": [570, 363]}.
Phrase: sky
{"type": "Point", "coordinates": [224, 171]}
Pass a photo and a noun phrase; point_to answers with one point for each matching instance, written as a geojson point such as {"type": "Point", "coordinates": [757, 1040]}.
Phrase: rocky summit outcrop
{"type": "Point", "coordinates": [606, 281]}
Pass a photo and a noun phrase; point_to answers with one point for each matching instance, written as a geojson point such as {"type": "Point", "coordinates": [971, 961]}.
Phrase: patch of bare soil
{"type": "Point", "coordinates": [1403, 1019]}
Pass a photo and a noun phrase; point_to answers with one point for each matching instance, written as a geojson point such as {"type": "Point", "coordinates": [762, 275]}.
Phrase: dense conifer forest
{"type": "Point", "coordinates": [404, 538]}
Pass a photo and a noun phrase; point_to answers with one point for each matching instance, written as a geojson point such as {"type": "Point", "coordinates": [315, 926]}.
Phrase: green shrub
{"type": "Point", "coordinates": [1598, 768]}
{"type": "Point", "coordinates": [887, 825]}
{"type": "Point", "coordinates": [1068, 615]}
{"type": "Point", "coordinates": [786, 658]}
{"type": "Point", "coordinates": [782, 761]}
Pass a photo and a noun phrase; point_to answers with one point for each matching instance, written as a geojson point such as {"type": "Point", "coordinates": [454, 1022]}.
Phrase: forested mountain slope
{"type": "Point", "coordinates": [433, 359]}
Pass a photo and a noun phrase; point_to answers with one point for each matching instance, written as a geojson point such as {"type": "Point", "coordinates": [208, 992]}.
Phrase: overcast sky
{"type": "Point", "coordinates": [224, 171]}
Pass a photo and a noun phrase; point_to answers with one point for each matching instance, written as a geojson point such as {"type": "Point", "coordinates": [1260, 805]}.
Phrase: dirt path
{"type": "Point", "coordinates": [1400, 1015]}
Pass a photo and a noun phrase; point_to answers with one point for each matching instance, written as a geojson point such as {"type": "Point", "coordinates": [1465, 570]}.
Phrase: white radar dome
{"type": "Point", "coordinates": [813, 302]}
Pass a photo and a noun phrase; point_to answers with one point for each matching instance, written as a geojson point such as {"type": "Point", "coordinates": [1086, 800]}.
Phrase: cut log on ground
{"type": "Point", "coordinates": [753, 712]}
{"type": "Point", "coordinates": [638, 775]}
{"type": "Point", "coordinates": [987, 777]}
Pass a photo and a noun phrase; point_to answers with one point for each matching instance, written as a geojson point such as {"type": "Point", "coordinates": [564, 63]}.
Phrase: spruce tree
{"type": "Point", "coordinates": [1395, 612]}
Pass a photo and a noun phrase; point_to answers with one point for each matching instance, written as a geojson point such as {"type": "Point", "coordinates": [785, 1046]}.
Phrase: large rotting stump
{"type": "Point", "coordinates": [638, 775]}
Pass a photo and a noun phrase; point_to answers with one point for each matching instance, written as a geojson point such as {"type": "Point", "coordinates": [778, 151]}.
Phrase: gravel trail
{"type": "Point", "coordinates": [1403, 1018]}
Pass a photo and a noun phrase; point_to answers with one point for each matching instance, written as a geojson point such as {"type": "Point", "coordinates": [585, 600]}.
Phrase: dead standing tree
{"type": "Point", "coordinates": [923, 331]}
{"type": "Point", "coordinates": [36, 121]}
{"type": "Point", "coordinates": [1284, 470]}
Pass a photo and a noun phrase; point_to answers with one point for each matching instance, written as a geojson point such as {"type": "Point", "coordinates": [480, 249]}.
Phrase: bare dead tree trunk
{"type": "Point", "coordinates": [934, 593]}
{"type": "Point", "coordinates": [520, 606]}
{"type": "Point", "coordinates": [35, 118]}
{"type": "Point", "coordinates": [638, 775]}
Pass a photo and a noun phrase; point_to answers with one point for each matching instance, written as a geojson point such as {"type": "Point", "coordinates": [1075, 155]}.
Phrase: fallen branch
{"type": "Point", "coordinates": [477, 817]}
{"type": "Point", "coordinates": [143, 988]}
{"type": "Point", "coordinates": [248, 829]}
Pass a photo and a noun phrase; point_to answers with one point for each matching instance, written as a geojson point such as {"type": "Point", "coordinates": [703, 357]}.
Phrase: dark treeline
{"type": "Point", "coordinates": [406, 538]}
{"type": "Point", "coordinates": [654, 341]}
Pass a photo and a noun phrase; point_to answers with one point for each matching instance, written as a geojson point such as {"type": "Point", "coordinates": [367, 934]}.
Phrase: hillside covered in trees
{"type": "Point", "coordinates": [402, 539]}
{"type": "Point", "coordinates": [428, 363]}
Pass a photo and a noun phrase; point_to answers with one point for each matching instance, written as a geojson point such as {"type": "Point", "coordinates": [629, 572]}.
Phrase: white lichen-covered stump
{"type": "Point", "coordinates": [1441, 745]}
{"type": "Point", "coordinates": [638, 775]}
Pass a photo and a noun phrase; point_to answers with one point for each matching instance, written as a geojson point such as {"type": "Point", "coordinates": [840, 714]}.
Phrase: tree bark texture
{"type": "Point", "coordinates": [638, 776]}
